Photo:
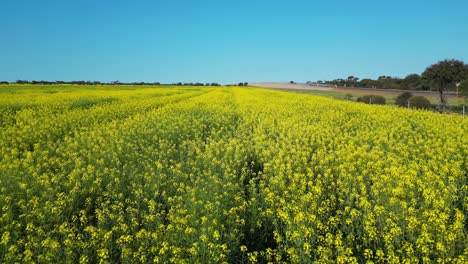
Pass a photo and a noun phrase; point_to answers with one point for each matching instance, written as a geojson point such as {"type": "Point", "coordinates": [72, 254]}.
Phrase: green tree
{"type": "Point", "coordinates": [368, 83]}
{"type": "Point", "coordinates": [412, 82]}
{"type": "Point", "coordinates": [352, 81]}
{"type": "Point", "coordinates": [444, 74]}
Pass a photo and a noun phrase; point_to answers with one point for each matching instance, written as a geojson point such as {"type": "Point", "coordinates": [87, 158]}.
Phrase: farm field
{"type": "Point", "coordinates": [343, 92]}
{"type": "Point", "coordinates": [390, 96]}
{"type": "Point", "coordinates": [127, 174]}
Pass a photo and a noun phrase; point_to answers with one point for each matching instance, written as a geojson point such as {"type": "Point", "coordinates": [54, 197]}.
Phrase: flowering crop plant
{"type": "Point", "coordinates": [138, 174]}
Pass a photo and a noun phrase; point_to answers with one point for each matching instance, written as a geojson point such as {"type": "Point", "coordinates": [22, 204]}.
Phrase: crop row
{"type": "Point", "coordinates": [228, 175]}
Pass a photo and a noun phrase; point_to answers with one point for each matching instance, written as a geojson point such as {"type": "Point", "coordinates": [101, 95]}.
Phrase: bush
{"type": "Point", "coordinates": [372, 99]}
{"type": "Point", "coordinates": [348, 97]}
{"type": "Point", "coordinates": [402, 99]}
{"type": "Point", "coordinates": [420, 102]}
{"type": "Point", "coordinates": [463, 88]}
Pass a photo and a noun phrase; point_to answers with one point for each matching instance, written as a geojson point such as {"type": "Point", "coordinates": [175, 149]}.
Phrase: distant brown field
{"type": "Point", "coordinates": [340, 92]}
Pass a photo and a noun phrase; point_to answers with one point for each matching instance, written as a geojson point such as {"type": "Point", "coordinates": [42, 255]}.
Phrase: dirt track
{"type": "Point", "coordinates": [303, 86]}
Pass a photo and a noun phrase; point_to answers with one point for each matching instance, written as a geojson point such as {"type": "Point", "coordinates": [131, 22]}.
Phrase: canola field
{"type": "Point", "coordinates": [104, 174]}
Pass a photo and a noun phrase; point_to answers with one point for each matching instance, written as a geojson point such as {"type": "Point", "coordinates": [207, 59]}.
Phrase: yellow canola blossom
{"type": "Point", "coordinates": [127, 174]}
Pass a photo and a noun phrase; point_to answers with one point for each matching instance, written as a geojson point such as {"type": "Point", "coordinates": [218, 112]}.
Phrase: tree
{"type": "Point", "coordinates": [389, 82]}
{"type": "Point", "coordinates": [368, 83]}
{"type": "Point", "coordinates": [444, 74]}
{"type": "Point", "coordinates": [352, 80]}
{"type": "Point", "coordinates": [412, 82]}
{"type": "Point", "coordinates": [402, 99]}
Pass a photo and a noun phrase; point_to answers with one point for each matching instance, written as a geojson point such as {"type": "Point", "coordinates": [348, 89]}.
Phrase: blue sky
{"type": "Point", "coordinates": [227, 41]}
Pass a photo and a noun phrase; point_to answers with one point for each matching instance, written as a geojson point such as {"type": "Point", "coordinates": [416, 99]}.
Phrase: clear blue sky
{"type": "Point", "coordinates": [227, 41]}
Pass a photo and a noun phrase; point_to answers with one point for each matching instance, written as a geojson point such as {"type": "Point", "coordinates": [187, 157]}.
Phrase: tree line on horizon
{"type": "Point", "coordinates": [79, 82]}
{"type": "Point", "coordinates": [120, 83]}
{"type": "Point", "coordinates": [444, 76]}
{"type": "Point", "coordinates": [451, 72]}
{"type": "Point", "coordinates": [108, 83]}
{"type": "Point", "coordinates": [411, 82]}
